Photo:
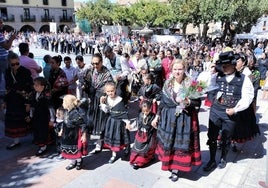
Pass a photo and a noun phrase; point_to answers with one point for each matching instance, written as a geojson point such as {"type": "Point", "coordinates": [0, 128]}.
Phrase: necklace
{"type": "Point", "coordinates": [145, 120]}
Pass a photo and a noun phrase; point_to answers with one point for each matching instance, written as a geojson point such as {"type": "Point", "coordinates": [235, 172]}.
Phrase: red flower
{"type": "Point", "coordinates": [199, 89]}
{"type": "Point", "coordinates": [194, 83]}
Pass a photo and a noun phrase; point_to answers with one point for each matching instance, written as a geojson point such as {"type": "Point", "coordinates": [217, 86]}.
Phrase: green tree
{"type": "Point", "coordinates": [122, 15]}
{"type": "Point", "coordinates": [97, 12]}
{"type": "Point", "coordinates": [184, 11]}
{"type": "Point", "coordinates": [151, 13]}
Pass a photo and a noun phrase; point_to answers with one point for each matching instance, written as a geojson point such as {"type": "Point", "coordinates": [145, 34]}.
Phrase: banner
{"type": "Point", "coordinates": [53, 27]}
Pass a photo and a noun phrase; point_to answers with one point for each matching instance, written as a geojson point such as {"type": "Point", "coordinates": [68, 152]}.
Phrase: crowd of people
{"type": "Point", "coordinates": [68, 104]}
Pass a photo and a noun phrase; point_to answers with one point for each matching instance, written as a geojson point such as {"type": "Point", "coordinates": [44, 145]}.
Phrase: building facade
{"type": "Point", "coordinates": [37, 15]}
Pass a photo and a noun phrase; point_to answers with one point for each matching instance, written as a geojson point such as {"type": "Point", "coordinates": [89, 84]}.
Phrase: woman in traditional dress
{"type": "Point", "coordinates": [246, 128]}
{"type": "Point", "coordinates": [100, 76]}
{"type": "Point", "coordinates": [73, 133]}
{"type": "Point", "coordinates": [178, 128]}
{"type": "Point", "coordinates": [19, 85]}
{"type": "Point", "coordinates": [116, 135]}
{"type": "Point", "coordinates": [144, 146]}
{"type": "Point", "coordinates": [58, 82]}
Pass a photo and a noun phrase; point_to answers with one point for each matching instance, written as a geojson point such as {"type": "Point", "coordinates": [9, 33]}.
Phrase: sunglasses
{"type": "Point", "coordinates": [14, 64]}
{"type": "Point", "coordinates": [95, 63]}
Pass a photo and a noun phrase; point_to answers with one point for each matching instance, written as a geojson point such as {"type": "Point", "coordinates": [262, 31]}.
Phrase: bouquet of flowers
{"type": "Point", "coordinates": [195, 90]}
{"type": "Point", "coordinates": [191, 90]}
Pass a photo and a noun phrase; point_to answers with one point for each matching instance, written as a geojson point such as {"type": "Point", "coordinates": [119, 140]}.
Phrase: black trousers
{"type": "Point", "coordinates": [220, 121]}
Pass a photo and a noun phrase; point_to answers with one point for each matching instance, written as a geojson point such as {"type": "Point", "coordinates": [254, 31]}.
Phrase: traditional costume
{"type": "Point", "coordinates": [18, 88]}
{"type": "Point", "coordinates": [116, 136]}
{"type": "Point", "coordinates": [178, 134]}
{"type": "Point", "coordinates": [151, 92]}
{"type": "Point", "coordinates": [144, 146]}
{"type": "Point", "coordinates": [74, 126]}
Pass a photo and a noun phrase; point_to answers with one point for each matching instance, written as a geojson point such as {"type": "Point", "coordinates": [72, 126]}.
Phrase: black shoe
{"type": "Point", "coordinates": [222, 164]}
{"type": "Point", "coordinates": [13, 146]}
{"type": "Point", "coordinates": [71, 166]}
{"type": "Point", "coordinates": [97, 149]}
{"type": "Point", "coordinates": [135, 166]}
{"type": "Point", "coordinates": [174, 177]}
{"type": "Point", "coordinates": [111, 160]}
{"type": "Point", "coordinates": [79, 165]}
{"type": "Point", "coordinates": [127, 151]}
{"type": "Point", "coordinates": [210, 166]}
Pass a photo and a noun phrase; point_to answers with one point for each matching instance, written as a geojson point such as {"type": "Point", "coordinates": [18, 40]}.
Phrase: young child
{"type": "Point", "coordinates": [144, 146]}
{"type": "Point", "coordinates": [58, 127]}
{"type": "Point", "coordinates": [42, 114]}
{"type": "Point", "coordinates": [150, 91]}
{"type": "Point", "coordinates": [73, 133]}
{"type": "Point", "coordinates": [116, 135]}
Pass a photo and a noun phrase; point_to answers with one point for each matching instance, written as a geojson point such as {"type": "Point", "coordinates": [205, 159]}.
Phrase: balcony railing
{"type": "Point", "coordinates": [28, 18]}
{"type": "Point", "coordinates": [66, 19]}
{"type": "Point", "coordinates": [9, 18]}
{"type": "Point", "coordinates": [46, 19]}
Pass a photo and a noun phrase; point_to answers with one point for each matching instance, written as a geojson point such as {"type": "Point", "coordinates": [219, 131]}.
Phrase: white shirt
{"type": "Point", "coordinates": [247, 93]}
{"type": "Point", "coordinates": [70, 74]}
{"type": "Point", "coordinates": [125, 68]}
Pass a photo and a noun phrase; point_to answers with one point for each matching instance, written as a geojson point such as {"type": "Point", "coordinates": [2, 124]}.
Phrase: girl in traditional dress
{"type": "Point", "coordinates": [178, 128]}
{"type": "Point", "coordinates": [59, 123]}
{"type": "Point", "coordinates": [116, 134]}
{"type": "Point", "coordinates": [150, 91]}
{"type": "Point", "coordinates": [74, 133]}
{"type": "Point", "coordinates": [144, 146]}
{"type": "Point", "coordinates": [43, 114]}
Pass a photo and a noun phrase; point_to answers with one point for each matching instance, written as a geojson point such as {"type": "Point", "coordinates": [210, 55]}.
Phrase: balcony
{"type": "Point", "coordinates": [66, 19]}
{"type": "Point", "coordinates": [46, 19]}
{"type": "Point", "coordinates": [9, 18]}
{"type": "Point", "coordinates": [27, 18]}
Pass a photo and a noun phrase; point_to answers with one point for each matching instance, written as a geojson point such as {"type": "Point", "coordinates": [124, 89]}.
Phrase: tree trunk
{"type": "Point", "coordinates": [184, 26]}
{"type": "Point", "coordinates": [205, 32]}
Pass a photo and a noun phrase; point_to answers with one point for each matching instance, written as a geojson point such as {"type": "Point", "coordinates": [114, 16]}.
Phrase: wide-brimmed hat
{"type": "Point", "coordinates": [227, 58]}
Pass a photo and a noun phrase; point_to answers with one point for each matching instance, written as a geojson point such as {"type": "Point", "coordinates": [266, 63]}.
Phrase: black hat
{"type": "Point", "coordinates": [227, 58]}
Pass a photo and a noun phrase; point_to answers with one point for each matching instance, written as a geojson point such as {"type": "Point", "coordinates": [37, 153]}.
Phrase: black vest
{"type": "Point", "coordinates": [230, 93]}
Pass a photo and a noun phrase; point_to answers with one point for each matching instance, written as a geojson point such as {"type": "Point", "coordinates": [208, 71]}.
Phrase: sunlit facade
{"type": "Point", "coordinates": [36, 15]}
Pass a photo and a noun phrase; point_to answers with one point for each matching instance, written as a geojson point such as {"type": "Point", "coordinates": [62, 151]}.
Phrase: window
{"type": "Point", "coordinates": [25, 1]}
{"type": "Point", "coordinates": [46, 13]}
{"type": "Point", "coordinates": [27, 13]}
{"type": "Point", "coordinates": [3, 13]}
{"type": "Point", "coordinates": [64, 14]}
{"type": "Point", "coordinates": [63, 2]}
{"type": "Point", "coordinates": [45, 2]}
